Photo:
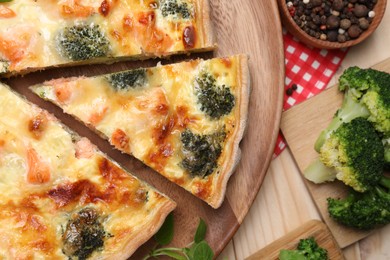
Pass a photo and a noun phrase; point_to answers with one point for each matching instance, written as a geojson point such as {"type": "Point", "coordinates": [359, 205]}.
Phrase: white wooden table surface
{"type": "Point", "coordinates": [283, 202]}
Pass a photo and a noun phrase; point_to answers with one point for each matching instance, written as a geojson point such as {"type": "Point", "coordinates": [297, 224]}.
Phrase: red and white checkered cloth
{"type": "Point", "coordinates": [310, 69]}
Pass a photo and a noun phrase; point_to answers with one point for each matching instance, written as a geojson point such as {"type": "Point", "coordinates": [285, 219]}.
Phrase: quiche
{"type": "Point", "coordinates": [183, 120]}
{"type": "Point", "coordinates": [61, 198]}
{"type": "Point", "coordinates": [46, 33]}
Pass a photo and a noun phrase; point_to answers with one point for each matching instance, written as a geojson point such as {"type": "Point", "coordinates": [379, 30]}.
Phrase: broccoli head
{"type": "Point", "coordinates": [175, 8]}
{"type": "Point", "coordinates": [363, 210]}
{"type": "Point", "coordinates": [367, 94]}
{"type": "Point", "coordinates": [353, 154]}
{"type": "Point", "coordinates": [127, 79]}
{"type": "Point", "coordinates": [307, 249]}
{"type": "Point", "coordinates": [83, 42]}
{"type": "Point", "coordinates": [216, 101]}
{"type": "Point", "coordinates": [201, 152]}
{"type": "Point", "coordinates": [371, 88]}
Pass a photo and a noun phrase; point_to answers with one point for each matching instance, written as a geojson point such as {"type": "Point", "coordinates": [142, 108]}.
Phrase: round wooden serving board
{"type": "Point", "coordinates": [241, 26]}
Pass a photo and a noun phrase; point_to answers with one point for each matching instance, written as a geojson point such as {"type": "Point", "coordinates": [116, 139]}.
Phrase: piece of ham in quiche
{"type": "Point", "coordinates": [184, 120]}
{"type": "Point", "coordinates": [47, 33]}
{"type": "Point", "coordinates": [61, 198]}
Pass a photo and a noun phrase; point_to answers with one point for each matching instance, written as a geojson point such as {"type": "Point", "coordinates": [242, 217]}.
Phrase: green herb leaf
{"type": "Point", "coordinates": [203, 251]}
{"type": "Point", "coordinates": [200, 231]}
{"type": "Point", "coordinates": [4, 1]}
{"type": "Point", "coordinates": [165, 235]}
{"type": "Point", "coordinates": [197, 250]}
{"type": "Point", "coordinates": [188, 252]}
{"type": "Point", "coordinates": [173, 254]}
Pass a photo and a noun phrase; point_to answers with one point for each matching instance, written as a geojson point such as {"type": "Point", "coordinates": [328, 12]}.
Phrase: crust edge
{"type": "Point", "coordinates": [130, 247]}
{"type": "Point", "coordinates": [208, 36]}
{"type": "Point", "coordinates": [235, 156]}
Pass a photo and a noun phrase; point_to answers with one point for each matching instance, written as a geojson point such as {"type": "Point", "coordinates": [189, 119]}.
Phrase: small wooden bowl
{"type": "Point", "coordinates": [295, 30]}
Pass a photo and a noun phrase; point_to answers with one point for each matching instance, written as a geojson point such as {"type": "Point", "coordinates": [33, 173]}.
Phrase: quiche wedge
{"type": "Point", "coordinates": [183, 120]}
{"type": "Point", "coordinates": [61, 198]}
{"type": "Point", "coordinates": [46, 33]}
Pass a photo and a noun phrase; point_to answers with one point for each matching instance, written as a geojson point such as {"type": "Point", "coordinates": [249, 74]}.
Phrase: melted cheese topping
{"type": "Point", "coordinates": [47, 174]}
{"type": "Point", "coordinates": [148, 121]}
{"type": "Point", "coordinates": [29, 29]}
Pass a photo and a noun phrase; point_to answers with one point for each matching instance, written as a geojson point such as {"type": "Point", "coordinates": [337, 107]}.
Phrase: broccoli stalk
{"type": "Point", "coordinates": [363, 210]}
{"type": "Point", "coordinates": [349, 110]}
{"type": "Point", "coordinates": [317, 172]}
{"type": "Point", "coordinates": [367, 94]}
{"type": "Point", "coordinates": [353, 153]}
{"type": "Point", "coordinates": [307, 249]}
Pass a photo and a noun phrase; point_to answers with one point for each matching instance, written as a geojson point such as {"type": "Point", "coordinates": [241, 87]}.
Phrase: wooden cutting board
{"type": "Point", "coordinates": [312, 228]}
{"type": "Point", "coordinates": [301, 125]}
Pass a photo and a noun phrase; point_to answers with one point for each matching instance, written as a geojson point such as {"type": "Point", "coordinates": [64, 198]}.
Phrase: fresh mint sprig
{"type": "Point", "coordinates": [199, 249]}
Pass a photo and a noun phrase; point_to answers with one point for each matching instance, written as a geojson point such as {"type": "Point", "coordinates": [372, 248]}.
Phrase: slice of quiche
{"type": "Point", "coordinates": [46, 33]}
{"type": "Point", "coordinates": [184, 120]}
{"type": "Point", "coordinates": [60, 198]}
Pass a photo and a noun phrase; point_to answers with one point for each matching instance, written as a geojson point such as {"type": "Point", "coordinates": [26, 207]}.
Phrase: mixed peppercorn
{"type": "Point", "coordinates": [332, 20]}
{"type": "Point", "coordinates": [290, 90]}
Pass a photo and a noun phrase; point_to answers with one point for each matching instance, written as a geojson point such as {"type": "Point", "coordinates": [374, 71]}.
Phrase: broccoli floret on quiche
{"type": "Point", "coordinates": [127, 79]}
{"type": "Point", "coordinates": [83, 42]}
{"type": "Point", "coordinates": [176, 9]}
{"type": "Point", "coordinates": [201, 152]}
{"type": "Point", "coordinates": [216, 101]}
{"type": "Point", "coordinates": [84, 233]}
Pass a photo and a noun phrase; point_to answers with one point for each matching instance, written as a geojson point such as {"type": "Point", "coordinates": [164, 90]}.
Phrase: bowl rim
{"type": "Point", "coordinates": [293, 28]}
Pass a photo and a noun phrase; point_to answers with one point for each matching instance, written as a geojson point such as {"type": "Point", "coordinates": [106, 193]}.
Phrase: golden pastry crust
{"type": "Point", "coordinates": [205, 22]}
{"type": "Point", "coordinates": [233, 156]}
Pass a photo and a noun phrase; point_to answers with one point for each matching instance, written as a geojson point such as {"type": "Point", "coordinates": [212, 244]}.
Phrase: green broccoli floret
{"type": "Point", "coordinates": [175, 8]}
{"type": "Point", "coordinates": [355, 152]}
{"type": "Point", "coordinates": [307, 249]}
{"type": "Point", "coordinates": [82, 42]}
{"type": "Point", "coordinates": [367, 94]}
{"type": "Point", "coordinates": [127, 79]}
{"type": "Point", "coordinates": [201, 152]}
{"type": "Point", "coordinates": [216, 101]}
{"type": "Point", "coordinates": [363, 210]}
